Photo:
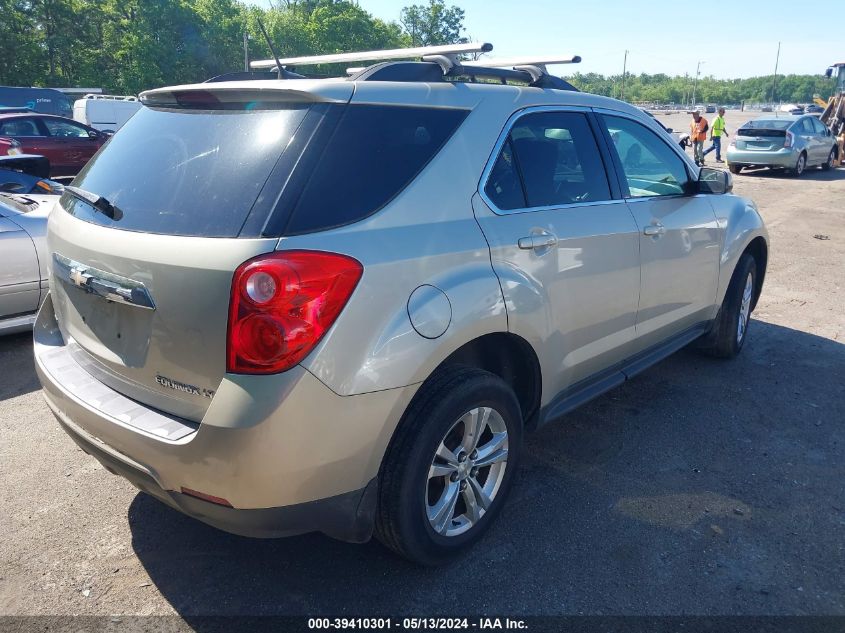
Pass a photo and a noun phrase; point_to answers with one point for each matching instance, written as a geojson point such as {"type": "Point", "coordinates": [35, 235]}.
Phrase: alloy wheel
{"type": "Point", "coordinates": [467, 471]}
{"type": "Point", "coordinates": [745, 308]}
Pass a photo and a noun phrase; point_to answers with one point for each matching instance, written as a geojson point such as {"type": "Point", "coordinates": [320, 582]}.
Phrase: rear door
{"type": "Point", "coordinates": [564, 246]}
{"type": "Point", "coordinates": [32, 136]}
{"type": "Point", "coordinates": [679, 238]}
{"type": "Point", "coordinates": [824, 137]}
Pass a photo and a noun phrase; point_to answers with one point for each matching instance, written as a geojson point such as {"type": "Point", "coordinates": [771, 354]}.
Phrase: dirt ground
{"type": "Point", "coordinates": [699, 487]}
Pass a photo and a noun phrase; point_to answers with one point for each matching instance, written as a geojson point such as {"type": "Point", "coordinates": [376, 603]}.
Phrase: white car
{"type": "Point", "coordinates": [681, 138]}
{"type": "Point", "coordinates": [106, 113]}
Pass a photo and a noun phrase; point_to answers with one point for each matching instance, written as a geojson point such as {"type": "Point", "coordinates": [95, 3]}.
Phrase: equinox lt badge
{"type": "Point", "coordinates": [164, 381]}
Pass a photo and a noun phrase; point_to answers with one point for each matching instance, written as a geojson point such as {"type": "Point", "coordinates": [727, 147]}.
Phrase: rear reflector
{"type": "Point", "coordinates": [210, 498]}
{"type": "Point", "coordinates": [281, 306]}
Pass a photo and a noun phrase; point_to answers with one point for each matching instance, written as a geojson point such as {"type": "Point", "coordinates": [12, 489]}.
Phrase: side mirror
{"type": "Point", "coordinates": [670, 130]}
{"type": "Point", "coordinates": [714, 181]}
{"type": "Point", "coordinates": [93, 134]}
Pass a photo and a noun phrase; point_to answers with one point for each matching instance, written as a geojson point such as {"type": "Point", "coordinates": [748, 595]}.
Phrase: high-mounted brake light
{"type": "Point", "coordinates": [281, 306]}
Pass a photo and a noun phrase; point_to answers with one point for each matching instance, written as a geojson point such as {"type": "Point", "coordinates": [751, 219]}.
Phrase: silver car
{"type": "Point", "coordinates": [23, 258]}
{"type": "Point", "coordinates": [338, 305]}
{"type": "Point", "coordinates": [787, 142]}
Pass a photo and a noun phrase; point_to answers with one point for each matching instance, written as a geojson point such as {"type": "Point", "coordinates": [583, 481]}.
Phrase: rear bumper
{"type": "Point", "coordinates": [288, 454]}
{"type": "Point", "coordinates": [348, 516]}
{"type": "Point", "coordinates": [786, 158]}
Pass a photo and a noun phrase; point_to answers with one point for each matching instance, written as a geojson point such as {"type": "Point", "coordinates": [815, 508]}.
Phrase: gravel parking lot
{"type": "Point", "coordinates": [699, 487]}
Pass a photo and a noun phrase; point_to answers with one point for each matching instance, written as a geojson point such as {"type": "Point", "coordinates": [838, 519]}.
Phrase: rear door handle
{"type": "Point", "coordinates": [654, 229]}
{"type": "Point", "coordinates": [544, 240]}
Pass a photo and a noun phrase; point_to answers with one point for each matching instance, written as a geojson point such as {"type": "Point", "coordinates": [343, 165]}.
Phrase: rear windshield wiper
{"type": "Point", "coordinates": [19, 200]}
{"type": "Point", "coordinates": [98, 202]}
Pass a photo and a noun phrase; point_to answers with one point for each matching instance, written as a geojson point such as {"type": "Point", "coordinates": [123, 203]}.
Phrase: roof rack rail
{"type": "Point", "coordinates": [439, 63]}
{"type": "Point", "coordinates": [448, 50]}
{"type": "Point", "coordinates": [534, 66]}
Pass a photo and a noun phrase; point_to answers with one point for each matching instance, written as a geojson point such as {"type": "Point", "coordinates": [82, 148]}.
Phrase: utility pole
{"type": "Point", "coordinates": [686, 90]}
{"type": "Point", "coordinates": [246, 52]}
{"type": "Point", "coordinates": [695, 83]}
{"type": "Point", "coordinates": [624, 70]}
{"type": "Point", "coordinates": [775, 78]}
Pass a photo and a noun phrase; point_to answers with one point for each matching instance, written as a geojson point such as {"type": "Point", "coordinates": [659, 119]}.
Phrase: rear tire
{"type": "Point", "coordinates": [831, 158]}
{"type": "Point", "coordinates": [434, 502]}
{"type": "Point", "coordinates": [735, 169]}
{"type": "Point", "coordinates": [800, 165]}
{"type": "Point", "coordinates": [730, 328]}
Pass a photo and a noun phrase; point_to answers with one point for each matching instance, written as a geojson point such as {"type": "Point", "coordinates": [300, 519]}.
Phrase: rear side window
{"type": "Point", "coordinates": [556, 156]}
{"type": "Point", "coordinates": [819, 126]}
{"type": "Point", "coordinates": [19, 127]}
{"type": "Point", "coordinates": [372, 155]}
{"type": "Point", "coordinates": [187, 172]}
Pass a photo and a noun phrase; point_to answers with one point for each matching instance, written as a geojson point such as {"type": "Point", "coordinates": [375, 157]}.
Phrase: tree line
{"type": "Point", "coordinates": [126, 46]}
{"type": "Point", "coordinates": [661, 88]}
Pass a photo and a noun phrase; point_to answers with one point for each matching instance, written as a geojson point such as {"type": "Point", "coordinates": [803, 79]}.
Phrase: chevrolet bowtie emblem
{"type": "Point", "coordinates": [78, 277]}
{"type": "Point", "coordinates": [110, 286]}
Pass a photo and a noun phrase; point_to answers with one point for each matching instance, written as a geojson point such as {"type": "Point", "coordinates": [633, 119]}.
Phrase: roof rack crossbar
{"type": "Point", "coordinates": [534, 66]}
{"type": "Point", "coordinates": [512, 62]}
{"type": "Point", "coordinates": [396, 53]}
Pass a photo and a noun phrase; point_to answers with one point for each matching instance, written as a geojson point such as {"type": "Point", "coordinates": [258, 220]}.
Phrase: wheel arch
{"type": "Point", "coordinates": [511, 358]}
{"type": "Point", "coordinates": [759, 249]}
{"type": "Point", "coordinates": [744, 232]}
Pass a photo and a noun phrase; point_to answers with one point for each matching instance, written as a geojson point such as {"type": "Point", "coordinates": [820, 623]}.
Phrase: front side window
{"type": "Point", "coordinates": [649, 165]}
{"type": "Point", "coordinates": [63, 129]}
{"type": "Point", "coordinates": [555, 159]}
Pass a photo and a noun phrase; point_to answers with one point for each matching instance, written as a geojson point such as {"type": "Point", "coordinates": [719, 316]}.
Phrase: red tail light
{"type": "Point", "coordinates": [282, 304]}
{"type": "Point", "coordinates": [787, 142]}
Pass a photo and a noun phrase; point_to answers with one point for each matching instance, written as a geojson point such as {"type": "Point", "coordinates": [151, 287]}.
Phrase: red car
{"type": "Point", "coordinates": [9, 147]}
{"type": "Point", "coordinates": [67, 144]}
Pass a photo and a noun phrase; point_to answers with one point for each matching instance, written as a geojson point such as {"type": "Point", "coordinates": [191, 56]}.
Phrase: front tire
{"type": "Point", "coordinates": [831, 158]}
{"type": "Point", "coordinates": [735, 169]}
{"type": "Point", "coordinates": [730, 328]}
{"type": "Point", "coordinates": [450, 465]}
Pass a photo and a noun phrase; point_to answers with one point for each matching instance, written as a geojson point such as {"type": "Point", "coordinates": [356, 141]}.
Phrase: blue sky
{"type": "Point", "coordinates": [734, 39]}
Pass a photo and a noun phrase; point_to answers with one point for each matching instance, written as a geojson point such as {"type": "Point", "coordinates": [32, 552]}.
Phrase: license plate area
{"type": "Point", "coordinates": [115, 333]}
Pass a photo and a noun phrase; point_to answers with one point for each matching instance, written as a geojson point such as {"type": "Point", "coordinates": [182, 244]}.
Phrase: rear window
{"type": "Point", "coordinates": [187, 172]}
{"type": "Point", "coordinates": [767, 128]}
{"type": "Point", "coordinates": [374, 153]}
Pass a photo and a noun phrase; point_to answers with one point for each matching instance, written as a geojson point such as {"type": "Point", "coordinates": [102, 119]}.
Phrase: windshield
{"type": "Point", "coordinates": [186, 172]}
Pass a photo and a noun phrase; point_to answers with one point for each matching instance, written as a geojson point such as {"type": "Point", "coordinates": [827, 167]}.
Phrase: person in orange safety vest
{"type": "Point", "coordinates": [698, 134]}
